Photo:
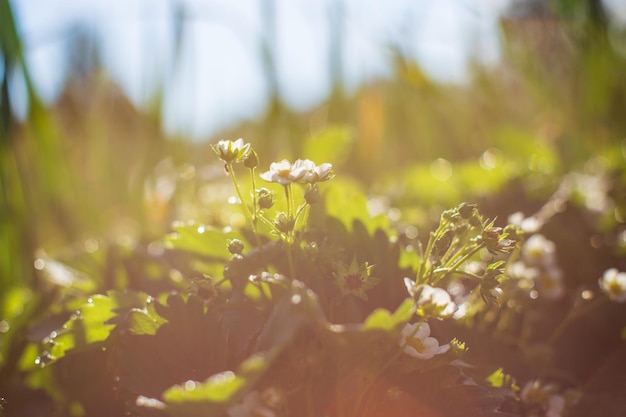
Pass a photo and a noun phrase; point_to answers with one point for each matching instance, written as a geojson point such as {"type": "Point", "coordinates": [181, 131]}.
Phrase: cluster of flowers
{"type": "Point", "coordinates": [284, 172]}
{"type": "Point", "coordinates": [538, 268]}
{"type": "Point", "coordinates": [303, 170]}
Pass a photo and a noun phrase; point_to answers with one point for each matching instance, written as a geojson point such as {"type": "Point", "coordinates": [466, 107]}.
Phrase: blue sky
{"type": "Point", "coordinates": [218, 79]}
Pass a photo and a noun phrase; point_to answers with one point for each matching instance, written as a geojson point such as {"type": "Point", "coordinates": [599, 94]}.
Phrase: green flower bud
{"type": "Point", "coordinates": [235, 246]}
{"type": "Point", "coordinates": [466, 210]}
{"type": "Point", "coordinates": [283, 223]}
{"type": "Point", "coordinates": [475, 220]}
{"type": "Point", "coordinates": [251, 160]}
{"type": "Point", "coordinates": [265, 198]}
{"type": "Point", "coordinates": [312, 196]}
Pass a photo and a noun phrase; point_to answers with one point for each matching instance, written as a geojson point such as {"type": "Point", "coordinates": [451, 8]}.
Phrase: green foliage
{"type": "Point", "coordinates": [383, 320]}
{"type": "Point", "coordinates": [92, 323]}
{"type": "Point", "coordinates": [202, 240]}
{"type": "Point", "coordinates": [345, 201]}
{"type": "Point", "coordinates": [304, 313]}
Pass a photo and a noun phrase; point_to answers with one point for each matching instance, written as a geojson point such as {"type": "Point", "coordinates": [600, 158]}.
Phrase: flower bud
{"type": "Point", "coordinates": [283, 223]}
{"type": "Point", "coordinates": [475, 220]}
{"type": "Point", "coordinates": [466, 210]}
{"type": "Point", "coordinates": [312, 196]}
{"type": "Point", "coordinates": [235, 246]}
{"type": "Point", "coordinates": [265, 198]}
{"type": "Point", "coordinates": [251, 160]}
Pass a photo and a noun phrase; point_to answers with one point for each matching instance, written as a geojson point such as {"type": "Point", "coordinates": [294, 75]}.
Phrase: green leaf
{"type": "Point", "coordinates": [209, 398]}
{"type": "Point", "coordinates": [202, 240]}
{"type": "Point", "coordinates": [384, 320]}
{"type": "Point", "coordinates": [496, 379]}
{"type": "Point", "coordinates": [218, 388]}
{"type": "Point", "coordinates": [293, 312]}
{"type": "Point", "coordinates": [93, 322]}
{"type": "Point", "coordinates": [346, 202]}
{"type": "Point", "coordinates": [142, 322]}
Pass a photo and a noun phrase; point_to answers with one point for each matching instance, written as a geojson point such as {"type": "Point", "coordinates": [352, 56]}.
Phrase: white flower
{"type": "Point", "coordinates": [526, 224]}
{"type": "Point", "coordinates": [543, 396]}
{"type": "Point", "coordinates": [230, 151]}
{"type": "Point", "coordinates": [550, 283]}
{"type": "Point", "coordinates": [416, 342]}
{"type": "Point", "coordinates": [613, 283]}
{"type": "Point", "coordinates": [431, 301]}
{"type": "Point", "coordinates": [533, 392]}
{"type": "Point", "coordinates": [251, 406]}
{"type": "Point", "coordinates": [315, 173]}
{"type": "Point", "coordinates": [556, 405]}
{"type": "Point", "coordinates": [284, 172]}
{"type": "Point", "coordinates": [538, 250]}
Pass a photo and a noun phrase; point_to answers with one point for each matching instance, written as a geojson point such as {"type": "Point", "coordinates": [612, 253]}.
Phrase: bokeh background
{"type": "Point", "coordinates": [109, 108]}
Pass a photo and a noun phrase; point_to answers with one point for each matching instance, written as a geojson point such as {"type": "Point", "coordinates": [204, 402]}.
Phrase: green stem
{"type": "Point", "coordinates": [446, 271]}
{"type": "Point", "coordinates": [292, 268]}
{"type": "Point", "coordinates": [299, 212]}
{"type": "Point", "coordinates": [290, 234]}
{"type": "Point", "coordinates": [238, 190]}
{"type": "Point", "coordinates": [288, 198]}
{"type": "Point", "coordinates": [269, 223]}
{"type": "Point", "coordinates": [255, 215]}
{"type": "Point", "coordinates": [429, 247]}
{"type": "Point", "coordinates": [254, 202]}
{"type": "Point", "coordinates": [459, 262]}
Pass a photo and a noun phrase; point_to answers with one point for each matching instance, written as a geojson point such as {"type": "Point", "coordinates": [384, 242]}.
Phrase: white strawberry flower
{"type": "Point", "coordinates": [415, 341]}
{"type": "Point", "coordinates": [284, 172]}
{"type": "Point", "coordinates": [613, 283]}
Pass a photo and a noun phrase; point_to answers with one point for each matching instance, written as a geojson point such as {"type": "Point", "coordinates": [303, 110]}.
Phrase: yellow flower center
{"type": "Point", "coordinates": [614, 288]}
{"type": "Point", "coordinates": [353, 282]}
{"type": "Point", "coordinates": [415, 343]}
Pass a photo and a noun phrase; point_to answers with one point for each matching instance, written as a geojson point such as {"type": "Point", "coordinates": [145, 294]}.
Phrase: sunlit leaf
{"type": "Point", "coordinates": [92, 322]}
{"type": "Point", "coordinates": [202, 240]}
{"type": "Point", "coordinates": [345, 201]}
{"type": "Point", "coordinates": [140, 321]}
{"type": "Point", "coordinates": [218, 388]}
{"type": "Point", "coordinates": [496, 379]}
{"type": "Point", "coordinates": [293, 312]}
{"type": "Point", "coordinates": [208, 398]}
{"type": "Point", "coordinates": [384, 320]}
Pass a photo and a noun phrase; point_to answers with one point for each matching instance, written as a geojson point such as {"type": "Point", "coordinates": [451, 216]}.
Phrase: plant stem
{"type": "Point", "coordinates": [289, 236]}
{"type": "Point", "coordinates": [255, 215]}
{"type": "Point", "coordinates": [429, 247]}
{"type": "Point", "coordinates": [292, 268]}
{"type": "Point", "coordinates": [459, 262]}
{"type": "Point", "coordinates": [236, 184]}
